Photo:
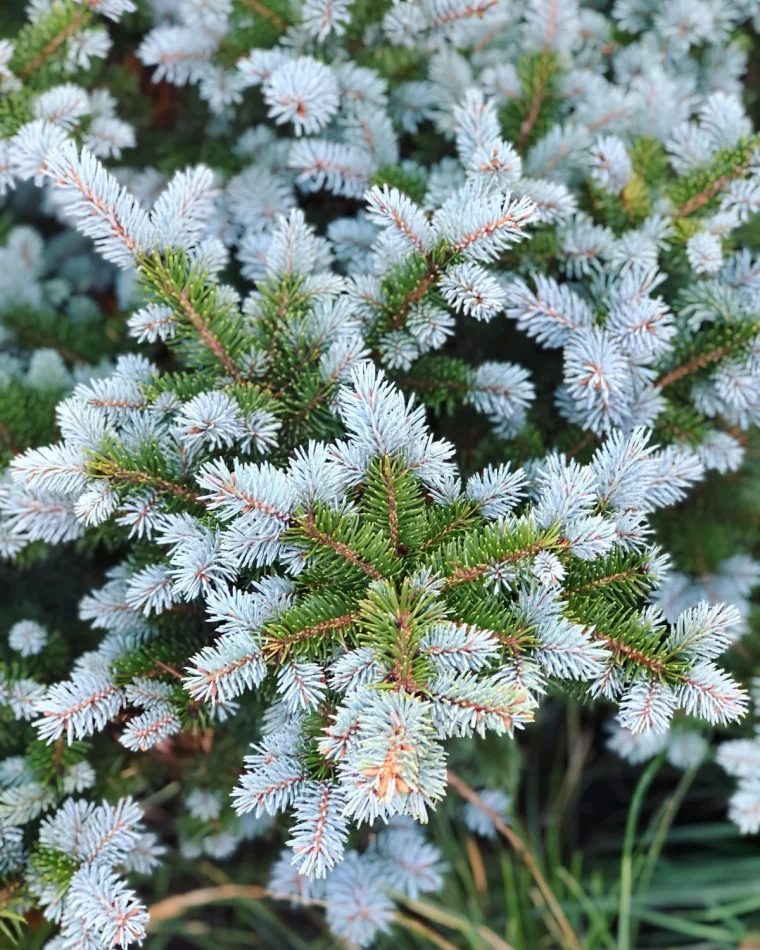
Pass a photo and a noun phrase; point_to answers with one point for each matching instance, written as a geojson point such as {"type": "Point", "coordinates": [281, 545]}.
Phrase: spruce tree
{"type": "Point", "coordinates": [372, 372]}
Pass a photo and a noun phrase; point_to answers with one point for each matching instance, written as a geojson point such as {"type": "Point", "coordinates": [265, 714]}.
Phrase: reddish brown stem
{"type": "Point", "coordinates": [631, 653]}
{"type": "Point", "coordinates": [110, 470]}
{"type": "Point", "coordinates": [606, 581]}
{"type": "Point", "coordinates": [539, 92]}
{"type": "Point", "coordinates": [463, 574]}
{"type": "Point", "coordinates": [694, 365]}
{"type": "Point", "coordinates": [266, 13]}
{"type": "Point", "coordinates": [278, 647]}
{"type": "Point", "coordinates": [708, 193]}
{"type": "Point", "coordinates": [343, 550]}
{"type": "Point", "coordinates": [209, 340]}
{"type": "Point", "coordinates": [78, 20]}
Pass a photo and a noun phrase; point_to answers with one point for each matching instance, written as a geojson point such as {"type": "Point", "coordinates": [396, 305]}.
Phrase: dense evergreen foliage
{"type": "Point", "coordinates": [380, 382]}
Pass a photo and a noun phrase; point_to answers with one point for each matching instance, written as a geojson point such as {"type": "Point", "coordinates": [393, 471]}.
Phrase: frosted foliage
{"type": "Point", "coordinates": [233, 332]}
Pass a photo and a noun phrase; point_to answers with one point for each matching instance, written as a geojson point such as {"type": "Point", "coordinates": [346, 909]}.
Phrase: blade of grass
{"type": "Point", "coordinates": [746, 906]}
{"type": "Point", "coordinates": [569, 937]}
{"type": "Point", "coordinates": [624, 933]}
{"type": "Point", "coordinates": [690, 928]}
{"type": "Point", "coordinates": [416, 926]}
{"type": "Point", "coordinates": [478, 869]}
{"type": "Point", "coordinates": [663, 825]}
{"type": "Point", "coordinates": [512, 901]}
{"type": "Point", "coordinates": [599, 924]}
{"type": "Point", "coordinates": [453, 921]}
{"type": "Point", "coordinates": [172, 907]}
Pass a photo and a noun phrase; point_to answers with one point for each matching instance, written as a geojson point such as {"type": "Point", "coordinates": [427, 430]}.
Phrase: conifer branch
{"type": "Point", "coordinates": [390, 495]}
{"type": "Point", "coordinates": [458, 521]}
{"type": "Point", "coordinates": [709, 192]}
{"type": "Point", "coordinates": [106, 468]}
{"type": "Point", "coordinates": [544, 76]}
{"type": "Point", "coordinates": [476, 10]}
{"type": "Point", "coordinates": [339, 547]}
{"type": "Point", "coordinates": [80, 19]}
{"type": "Point", "coordinates": [199, 324]}
{"type": "Point", "coordinates": [698, 363]}
{"type": "Point", "coordinates": [377, 600]}
{"type": "Point", "coordinates": [401, 672]}
{"type": "Point", "coordinates": [605, 581]}
{"type": "Point", "coordinates": [464, 575]}
{"type": "Point", "coordinates": [276, 648]}
{"type": "Point", "coordinates": [264, 11]}
{"type": "Point", "coordinates": [413, 296]}
{"type": "Point", "coordinates": [640, 657]}
{"type": "Point", "coordinates": [318, 399]}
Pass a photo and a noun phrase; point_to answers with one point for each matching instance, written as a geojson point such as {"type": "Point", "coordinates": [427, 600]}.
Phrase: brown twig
{"type": "Point", "coordinates": [708, 193]}
{"type": "Point", "coordinates": [390, 494]}
{"type": "Point", "coordinates": [9, 893]}
{"type": "Point", "coordinates": [78, 20]}
{"type": "Point", "coordinates": [341, 549]}
{"type": "Point", "coordinates": [111, 470]}
{"type": "Point", "coordinates": [316, 400]}
{"type": "Point", "coordinates": [694, 365]}
{"type": "Point", "coordinates": [168, 669]}
{"type": "Point", "coordinates": [58, 754]}
{"type": "Point", "coordinates": [209, 340]}
{"type": "Point", "coordinates": [606, 580]}
{"type": "Point", "coordinates": [477, 866]}
{"type": "Point", "coordinates": [455, 523]}
{"type": "Point", "coordinates": [461, 575]}
{"type": "Point", "coordinates": [267, 14]}
{"type": "Point", "coordinates": [526, 127]}
{"type": "Point", "coordinates": [279, 646]}
{"type": "Point", "coordinates": [411, 923]}
{"type": "Point", "coordinates": [631, 653]}
{"type": "Point", "coordinates": [177, 905]}
{"type": "Point", "coordinates": [7, 439]}
{"type": "Point", "coordinates": [453, 921]}
{"type": "Point", "coordinates": [581, 444]}
{"type": "Point", "coordinates": [414, 295]}
{"type": "Point", "coordinates": [212, 342]}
